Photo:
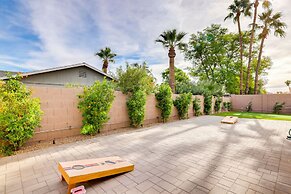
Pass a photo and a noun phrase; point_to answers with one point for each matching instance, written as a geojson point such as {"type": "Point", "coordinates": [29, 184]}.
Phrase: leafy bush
{"type": "Point", "coordinates": [201, 88]}
{"type": "Point", "coordinates": [197, 107]}
{"type": "Point", "coordinates": [182, 104]}
{"type": "Point", "coordinates": [20, 114]}
{"type": "Point", "coordinates": [135, 77]}
{"type": "Point", "coordinates": [165, 103]}
{"type": "Point", "coordinates": [227, 106]}
{"type": "Point", "coordinates": [249, 107]}
{"type": "Point", "coordinates": [278, 107]}
{"type": "Point", "coordinates": [95, 104]}
{"type": "Point", "coordinates": [136, 107]}
{"type": "Point", "coordinates": [217, 104]}
{"type": "Point", "coordinates": [207, 104]}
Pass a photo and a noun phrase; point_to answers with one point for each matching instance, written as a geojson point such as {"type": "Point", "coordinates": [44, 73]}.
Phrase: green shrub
{"type": "Point", "coordinates": [165, 103]}
{"type": "Point", "coordinates": [197, 107]}
{"type": "Point", "coordinates": [20, 114]}
{"type": "Point", "coordinates": [182, 104]}
{"type": "Point", "coordinates": [95, 104]}
{"type": "Point", "coordinates": [227, 106]}
{"type": "Point", "coordinates": [249, 107]}
{"type": "Point", "coordinates": [217, 104]}
{"type": "Point", "coordinates": [135, 77]}
{"type": "Point", "coordinates": [136, 108]}
{"type": "Point", "coordinates": [278, 107]}
{"type": "Point", "coordinates": [207, 104]}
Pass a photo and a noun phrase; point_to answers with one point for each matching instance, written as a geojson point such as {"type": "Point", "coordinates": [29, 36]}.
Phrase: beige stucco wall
{"type": "Point", "coordinates": [62, 118]}
{"type": "Point", "coordinates": [261, 103]}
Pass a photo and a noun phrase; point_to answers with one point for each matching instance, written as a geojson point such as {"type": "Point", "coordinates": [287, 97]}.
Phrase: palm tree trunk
{"type": "Point", "coordinates": [241, 55]}
{"type": "Point", "coordinates": [172, 55]}
{"type": "Point", "coordinates": [258, 65]}
{"type": "Point", "coordinates": [251, 47]}
{"type": "Point", "coordinates": [105, 66]}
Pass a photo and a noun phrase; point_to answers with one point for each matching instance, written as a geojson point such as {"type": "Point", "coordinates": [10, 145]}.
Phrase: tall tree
{"type": "Point", "coordinates": [236, 9]}
{"type": "Point", "coordinates": [171, 39]}
{"type": "Point", "coordinates": [266, 4]}
{"type": "Point", "coordinates": [106, 55]}
{"type": "Point", "coordinates": [271, 21]}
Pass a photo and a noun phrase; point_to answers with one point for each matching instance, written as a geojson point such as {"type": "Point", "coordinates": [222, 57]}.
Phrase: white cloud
{"type": "Point", "coordinates": [71, 31]}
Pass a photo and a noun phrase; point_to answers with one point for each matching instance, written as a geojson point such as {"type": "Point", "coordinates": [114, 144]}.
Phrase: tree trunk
{"type": "Point", "coordinates": [251, 47]}
{"type": "Point", "coordinates": [105, 66]}
{"type": "Point", "coordinates": [258, 65]}
{"type": "Point", "coordinates": [241, 55]}
{"type": "Point", "coordinates": [172, 55]}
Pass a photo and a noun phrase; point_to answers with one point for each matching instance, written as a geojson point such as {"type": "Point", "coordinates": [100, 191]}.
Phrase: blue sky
{"type": "Point", "coordinates": [38, 34]}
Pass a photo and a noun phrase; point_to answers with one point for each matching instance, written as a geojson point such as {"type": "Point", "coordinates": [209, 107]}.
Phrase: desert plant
{"type": "Point", "coordinates": [95, 104]}
{"type": "Point", "coordinates": [249, 107]}
{"type": "Point", "coordinates": [136, 107]}
{"type": "Point", "coordinates": [207, 104]}
{"type": "Point", "coordinates": [278, 107]}
{"type": "Point", "coordinates": [182, 103]}
{"type": "Point", "coordinates": [217, 104]}
{"type": "Point", "coordinates": [197, 107]}
{"type": "Point", "coordinates": [20, 114]}
{"type": "Point", "coordinates": [165, 103]}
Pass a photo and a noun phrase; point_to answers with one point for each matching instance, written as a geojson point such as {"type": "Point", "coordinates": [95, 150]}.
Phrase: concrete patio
{"type": "Point", "coordinates": [198, 155]}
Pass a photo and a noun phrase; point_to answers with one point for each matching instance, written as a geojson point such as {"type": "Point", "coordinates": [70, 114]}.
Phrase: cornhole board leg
{"type": "Point", "coordinates": [70, 187]}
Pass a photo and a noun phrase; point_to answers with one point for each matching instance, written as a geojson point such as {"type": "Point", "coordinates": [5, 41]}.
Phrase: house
{"type": "Point", "coordinates": [76, 74]}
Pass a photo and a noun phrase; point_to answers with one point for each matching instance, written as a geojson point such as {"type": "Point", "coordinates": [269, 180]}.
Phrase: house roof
{"type": "Point", "coordinates": [62, 68]}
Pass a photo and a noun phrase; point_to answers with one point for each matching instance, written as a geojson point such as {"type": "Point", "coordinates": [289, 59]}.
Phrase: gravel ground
{"type": "Point", "coordinates": [32, 146]}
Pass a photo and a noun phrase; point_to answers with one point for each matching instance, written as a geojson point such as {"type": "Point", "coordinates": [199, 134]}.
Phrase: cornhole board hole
{"type": "Point", "coordinates": [78, 171]}
{"type": "Point", "coordinates": [229, 120]}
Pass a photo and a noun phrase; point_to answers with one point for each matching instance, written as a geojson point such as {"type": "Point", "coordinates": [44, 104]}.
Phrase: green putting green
{"type": "Point", "coordinates": [254, 115]}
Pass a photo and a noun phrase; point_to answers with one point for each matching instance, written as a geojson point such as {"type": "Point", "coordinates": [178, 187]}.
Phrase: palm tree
{"type": "Point", "coordinates": [106, 56]}
{"type": "Point", "coordinates": [266, 4]}
{"type": "Point", "coordinates": [270, 22]}
{"type": "Point", "coordinates": [171, 39]}
{"type": "Point", "coordinates": [288, 82]}
{"type": "Point", "coordinates": [235, 10]}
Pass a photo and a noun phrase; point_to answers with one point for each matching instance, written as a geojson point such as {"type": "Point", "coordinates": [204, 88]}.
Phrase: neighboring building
{"type": "Point", "coordinates": [4, 73]}
{"type": "Point", "coordinates": [76, 74]}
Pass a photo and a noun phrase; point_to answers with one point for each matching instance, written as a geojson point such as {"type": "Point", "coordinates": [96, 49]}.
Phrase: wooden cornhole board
{"type": "Point", "coordinates": [84, 170]}
{"type": "Point", "coordinates": [229, 120]}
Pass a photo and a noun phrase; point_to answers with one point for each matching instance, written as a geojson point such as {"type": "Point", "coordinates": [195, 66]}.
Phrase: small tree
{"type": "Point", "coordinates": [249, 107]}
{"type": "Point", "coordinates": [165, 103]}
{"type": "Point", "coordinates": [20, 114]}
{"type": "Point", "coordinates": [136, 81]}
{"type": "Point", "coordinates": [217, 104]}
{"type": "Point", "coordinates": [135, 77]}
{"type": "Point", "coordinates": [196, 106]}
{"type": "Point", "coordinates": [95, 104]}
{"type": "Point", "coordinates": [136, 107]}
{"type": "Point", "coordinates": [182, 103]}
{"type": "Point", "coordinates": [207, 104]}
{"type": "Point", "coordinates": [278, 107]}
